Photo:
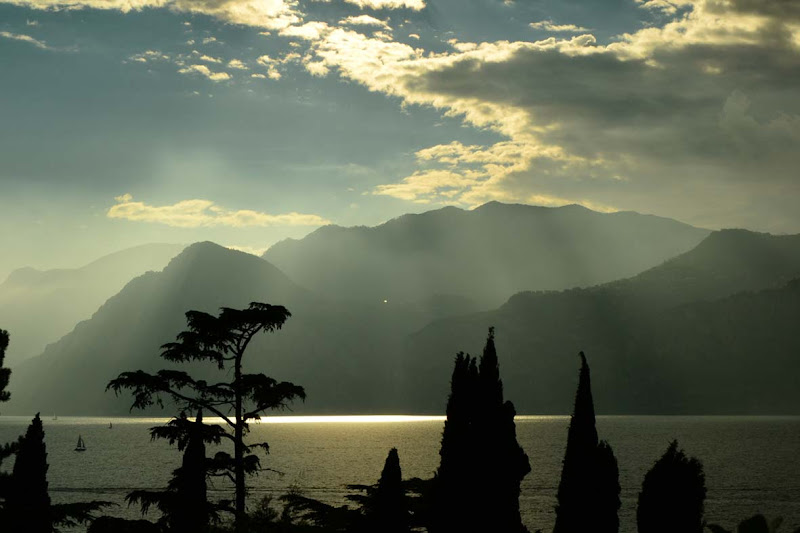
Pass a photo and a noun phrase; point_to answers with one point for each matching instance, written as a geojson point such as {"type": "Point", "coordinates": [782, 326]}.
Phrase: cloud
{"type": "Point", "coordinates": [548, 25]}
{"type": "Point", "coordinates": [237, 64]}
{"type": "Point", "coordinates": [25, 39]}
{"type": "Point", "coordinates": [269, 14]}
{"type": "Point", "coordinates": [365, 20]}
{"type": "Point", "coordinates": [205, 71]}
{"type": "Point", "coordinates": [204, 213]}
{"type": "Point", "coordinates": [257, 251]}
{"type": "Point", "coordinates": [656, 113]}
{"type": "Point", "coordinates": [415, 5]}
{"type": "Point", "coordinates": [209, 59]}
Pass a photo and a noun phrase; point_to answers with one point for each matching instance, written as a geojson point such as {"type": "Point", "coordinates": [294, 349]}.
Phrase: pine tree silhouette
{"type": "Point", "coordinates": [588, 493]}
{"type": "Point", "coordinates": [673, 495]}
{"type": "Point", "coordinates": [477, 485]}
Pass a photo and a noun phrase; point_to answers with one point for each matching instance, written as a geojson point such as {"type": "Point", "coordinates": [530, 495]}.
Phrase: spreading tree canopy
{"type": "Point", "coordinates": [673, 494]}
{"type": "Point", "coordinates": [588, 493]}
{"type": "Point", "coordinates": [223, 341]}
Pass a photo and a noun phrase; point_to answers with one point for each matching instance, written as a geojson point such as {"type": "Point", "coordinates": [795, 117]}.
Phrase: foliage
{"type": "Point", "coordinates": [5, 373]}
{"type": "Point", "coordinates": [673, 494]}
{"type": "Point", "coordinates": [221, 340]}
{"type": "Point", "coordinates": [754, 524]}
{"type": "Point", "coordinates": [184, 506]}
{"type": "Point", "coordinates": [588, 493]}
{"type": "Point", "coordinates": [477, 484]}
{"type": "Point", "coordinates": [28, 506]}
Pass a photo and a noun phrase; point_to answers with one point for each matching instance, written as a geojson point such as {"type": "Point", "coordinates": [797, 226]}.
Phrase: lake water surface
{"type": "Point", "coordinates": [752, 464]}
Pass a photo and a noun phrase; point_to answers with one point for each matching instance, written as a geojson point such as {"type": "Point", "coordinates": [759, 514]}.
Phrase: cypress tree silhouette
{"type": "Point", "coordinates": [5, 373]}
{"type": "Point", "coordinates": [223, 341]}
{"type": "Point", "coordinates": [6, 450]}
{"type": "Point", "coordinates": [477, 484]}
{"type": "Point", "coordinates": [588, 493]}
{"type": "Point", "coordinates": [673, 495]}
{"type": "Point", "coordinates": [27, 507]}
{"type": "Point", "coordinates": [28, 503]}
{"type": "Point", "coordinates": [184, 505]}
{"type": "Point", "coordinates": [388, 510]}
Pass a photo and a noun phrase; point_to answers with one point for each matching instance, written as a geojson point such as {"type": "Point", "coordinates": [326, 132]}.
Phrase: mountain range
{"type": "Point", "coordinates": [41, 306]}
{"type": "Point", "coordinates": [486, 254]}
{"type": "Point", "coordinates": [704, 326]}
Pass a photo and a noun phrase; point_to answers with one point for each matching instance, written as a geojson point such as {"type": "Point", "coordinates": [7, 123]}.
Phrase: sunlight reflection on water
{"type": "Point", "coordinates": [751, 464]}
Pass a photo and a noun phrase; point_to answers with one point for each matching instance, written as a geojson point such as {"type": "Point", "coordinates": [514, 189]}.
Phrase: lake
{"type": "Point", "coordinates": [752, 464]}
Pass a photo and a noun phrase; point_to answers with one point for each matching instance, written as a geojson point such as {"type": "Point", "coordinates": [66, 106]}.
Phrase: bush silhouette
{"type": "Point", "coordinates": [673, 495]}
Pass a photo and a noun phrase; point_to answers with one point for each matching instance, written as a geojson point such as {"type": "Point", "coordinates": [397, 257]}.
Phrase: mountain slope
{"type": "Point", "coordinates": [338, 352]}
{"type": "Point", "coordinates": [39, 307]}
{"type": "Point", "coordinates": [486, 254]}
{"type": "Point", "coordinates": [647, 356]}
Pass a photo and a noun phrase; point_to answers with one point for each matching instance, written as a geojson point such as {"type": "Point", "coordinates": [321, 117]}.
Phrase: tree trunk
{"type": "Point", "coordinates": [238, 449]}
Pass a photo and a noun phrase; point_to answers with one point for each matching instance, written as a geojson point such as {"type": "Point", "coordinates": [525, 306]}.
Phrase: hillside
{"type": "Point", "coordinates": [661, 342]}
{"type": "Point", "coordinates": [486, 254]}
{"type": "Point", "coordinates": [40, 307]}
{"type": "Point", "coordinates": [335, 351]}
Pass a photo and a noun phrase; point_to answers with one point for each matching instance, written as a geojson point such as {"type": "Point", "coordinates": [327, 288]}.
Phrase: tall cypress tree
{"type": "Point", "coordinates": [673, 494]}
{"type": "Point", "coordinates": [388, 510]}
{"type": "Point", "coordinates": [504, 463]}
{"type": "Point", "coordinates": [5, 373]}
{"type": "Point", "coordinates": [28, 503]}
{"type": "Point", "coordinates": [6, 450]}
{"type": "Point", "coordinates": [588, 493]}
{"type": "Point", "coordinates": [482, 465]}
{"type": "Point", "coordinates": [451, 489]}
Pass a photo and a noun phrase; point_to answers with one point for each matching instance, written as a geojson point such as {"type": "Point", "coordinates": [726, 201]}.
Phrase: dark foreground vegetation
{"type": "Point", "coordinates": [469, 493]}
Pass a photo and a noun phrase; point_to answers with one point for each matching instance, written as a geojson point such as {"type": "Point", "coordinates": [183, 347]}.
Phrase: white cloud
{"type": "Point", "coordinates": [645, 111]}
{"type": "Point", "coordinates": [258, 76]}
{"type": "Point", "coordinates": [210, 59]}
{"type": "Point", "coordinates": [365, 20]}
{"type": "Point", "coordinates": [25, 39]}
{"type": "Point", "coordinates": [269, 14]}
{"type": "Point", "coordinates": [310, 31]}
{"type": "Point", "coordinates": [548, 25]}
{"type": "Point", "coordinates": [204, 213]}
{"type": "Point", "coordinates": [237, 64]}
{"type": "Point", "coordinates": [205, 71]}
{"type": "Point", "coordinates": [416, 5]}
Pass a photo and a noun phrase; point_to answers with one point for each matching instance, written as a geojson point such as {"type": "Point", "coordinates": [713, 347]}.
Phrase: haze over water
{"type": "Point", "coordinates": [751, 463]}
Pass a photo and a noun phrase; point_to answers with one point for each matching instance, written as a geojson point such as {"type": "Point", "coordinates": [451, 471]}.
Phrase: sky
{"type": "Point", "coordinates": [244, 122]}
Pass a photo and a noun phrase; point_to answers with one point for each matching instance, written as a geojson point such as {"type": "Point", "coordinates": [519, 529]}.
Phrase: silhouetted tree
{"type": "Point", "coordinates": [673, 495]}
{"type": "Point", "coordinates": [754, 524]}
{"type": "Point", "coordinates": [477, 485]}
{"type": "Point", "coordinates": [6, 450]}
{"type": "Point", "coordinates": [28, 508]}
{"type": "Point", "coordinates": [385, 505]}
{"type": "Point", "coordinates": [588, 493]}
{"type": "Point", "coordinates": [184, 505]}
{"type": "Point", "coordinates": [221, 340]}
{"type": "Point", "coordinates": [5, 373]}
{"type": "Point", "coordinates": [28, 503]}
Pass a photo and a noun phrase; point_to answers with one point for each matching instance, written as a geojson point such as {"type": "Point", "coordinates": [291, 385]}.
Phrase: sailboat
{"type": "Point", "coordinates": [80, 447]}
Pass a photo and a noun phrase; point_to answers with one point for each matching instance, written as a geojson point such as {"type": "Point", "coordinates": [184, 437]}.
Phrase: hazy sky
{"type": "Point", "coordinates": [246, 121]}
